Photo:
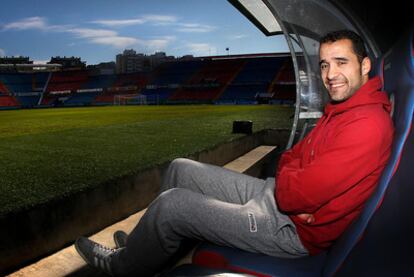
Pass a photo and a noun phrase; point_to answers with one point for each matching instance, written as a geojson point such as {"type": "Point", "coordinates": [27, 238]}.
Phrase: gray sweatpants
{"type": "Point", "coordinates": [207, 202]}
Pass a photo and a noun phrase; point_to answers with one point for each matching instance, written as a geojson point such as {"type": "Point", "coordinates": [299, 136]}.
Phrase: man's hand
{"type": "Point", "coordinates": [308, 218]}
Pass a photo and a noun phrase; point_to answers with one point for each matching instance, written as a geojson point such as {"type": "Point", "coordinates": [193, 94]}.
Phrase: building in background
{"type": "Point", "coordinates": [105, 68]}
{"type": "Point", "coordinates": [15, 60]}
{"type": "Point", "coordinates": [68, 63]}
{"type": "Point", "coordinates": [11, 64]}
{"type": "Point", "coordinates": [131, 61]}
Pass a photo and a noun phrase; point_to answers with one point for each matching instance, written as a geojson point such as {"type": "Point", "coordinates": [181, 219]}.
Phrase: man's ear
{"type": "Point", "coordinates": [366, 66]}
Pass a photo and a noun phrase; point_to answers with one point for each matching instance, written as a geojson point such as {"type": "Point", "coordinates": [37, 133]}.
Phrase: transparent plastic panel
{"type": "Point", "coordinates": [303, 23]}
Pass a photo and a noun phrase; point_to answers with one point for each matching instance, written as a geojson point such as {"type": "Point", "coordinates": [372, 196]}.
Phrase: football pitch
{"type": "Point", "coordinates": [51, 153]}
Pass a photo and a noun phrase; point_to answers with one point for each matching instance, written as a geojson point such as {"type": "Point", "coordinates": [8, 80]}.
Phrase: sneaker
{"type": "Point", "coordinates": [95, 254]}
{"type": "Point", "coordinates": [120, 238]}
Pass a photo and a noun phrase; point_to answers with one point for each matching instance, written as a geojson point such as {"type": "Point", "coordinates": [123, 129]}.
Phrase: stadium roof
{"type": "Point", "coordinates": [247, 56]}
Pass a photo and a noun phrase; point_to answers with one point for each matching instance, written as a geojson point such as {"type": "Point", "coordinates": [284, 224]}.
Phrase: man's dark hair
{"type": "Point", "coordinates": [357, 42]}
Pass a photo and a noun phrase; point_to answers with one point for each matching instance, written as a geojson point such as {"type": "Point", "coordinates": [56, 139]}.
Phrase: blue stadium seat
{"type": "Point", "coordinates": [81, 99]}
{"type": "Point", "coordinates": [380, 242]}
{"type": "Point", "coordinates": [17, 82]}
{"type": "Point", "coordinates": [29, 101]}
{"type": "Point", "coordinates": [158, 95]}
{"type": "Point", "coordinates": [255, 77]}
{"type": "Point", "coordinates": [175, 72]}
{"type": "Point", "coordinates": [388, 233]}
{"type": "Point", "coordinates": [259, 70]}
{"type": "Point", "coordinates": [99, 81]}
{"type": "Point", "coordinates": [240, 93]}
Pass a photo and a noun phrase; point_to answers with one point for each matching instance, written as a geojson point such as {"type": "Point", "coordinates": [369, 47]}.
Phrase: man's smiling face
{"type": "Point", "coordinates": [341, 71]}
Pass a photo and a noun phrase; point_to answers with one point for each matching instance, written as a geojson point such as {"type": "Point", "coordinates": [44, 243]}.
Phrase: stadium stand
{"type": "Point", "coordinates": [8, 102]}
{"type": "Point", "coordinates": [104, 99]}
{"type": "Point", "coordinates": [241, 94]}
{"type": "Point", "coordinates": [259, 70]}
{"type": "Point", "coordinates": [39, 81]}
{"type": "Point", "coordinates": [67, 80]}
{"type": "Point", "coordinates": [122, 84]}
{"type": "Point", "coordinates": [283, 87]}
{"type": "Point", "coordinates": [168, 78]}
{"type": "Point", "coordinates": [172, 73]}
{"type": "Point", "coordinates": [53, 98]}
{"type": "Point", "coordinates": [81, 99]}
{"type": "Point", "coordinates": [158, 95]}
{"type": "Point", "coordinates": [17, 82]}
{"type": "Point", "coordinates": [221, 80]}
{"type": "Point", "coordinates": [3, 89]}
{"type": "Point", "coordinates": [255, 78]}
{"type": "Point", "coordinates": [209, 82]}
{"type": "Point", "coordinates": [63, 83]}
{"type": "Point", "coordinates": [28, 100]}
{"type": "Point", "coordinates": [25, 87]}
{"type": "Point", "coordinates": [138, 80]}
{"type": "Point", "coordinates": [91, 91]}
{"type": "Point", "coordinates": [99, 81]}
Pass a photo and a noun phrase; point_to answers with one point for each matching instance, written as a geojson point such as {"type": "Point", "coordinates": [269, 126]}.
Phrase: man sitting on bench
{"type": "Point", "coordinates": [320, 188]}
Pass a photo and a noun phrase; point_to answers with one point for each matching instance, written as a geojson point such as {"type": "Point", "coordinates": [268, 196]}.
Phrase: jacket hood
{"type": "Point", "coordinates": [368, 94]}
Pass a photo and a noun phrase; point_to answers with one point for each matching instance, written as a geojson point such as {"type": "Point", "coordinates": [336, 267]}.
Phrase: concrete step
{"type": "Point", "coordinates": [252, 160]}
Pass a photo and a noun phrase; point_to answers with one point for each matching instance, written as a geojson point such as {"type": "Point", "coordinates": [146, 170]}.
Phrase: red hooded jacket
{"type": "Point", "coordinates": [336, 167]}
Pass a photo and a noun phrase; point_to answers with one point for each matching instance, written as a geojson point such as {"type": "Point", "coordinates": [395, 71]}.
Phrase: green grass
{"type": "Point", "coordinates": [52, 153]}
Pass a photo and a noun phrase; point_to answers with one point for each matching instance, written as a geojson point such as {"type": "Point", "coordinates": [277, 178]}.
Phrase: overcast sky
{"type": "Point", "coordinates": [97, 30]}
